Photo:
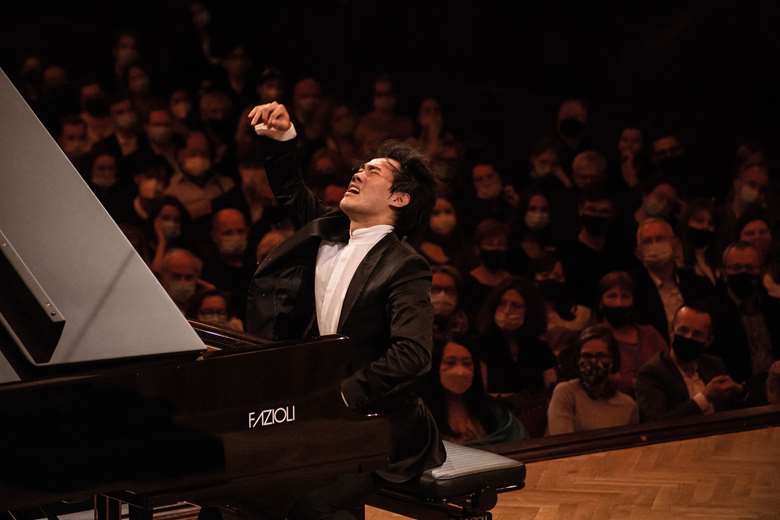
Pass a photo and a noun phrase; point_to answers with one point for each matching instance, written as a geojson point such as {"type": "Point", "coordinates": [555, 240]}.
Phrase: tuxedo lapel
{"type": "Point", "coordinates": [361, 276]}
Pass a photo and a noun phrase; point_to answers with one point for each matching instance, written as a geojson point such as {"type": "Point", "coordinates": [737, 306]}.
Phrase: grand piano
{"type": "Point", "coordinates": [107, 391]}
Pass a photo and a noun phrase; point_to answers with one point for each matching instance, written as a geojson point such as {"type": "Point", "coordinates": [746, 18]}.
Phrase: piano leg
{"type": "Point", "coordinates": [107, 508]}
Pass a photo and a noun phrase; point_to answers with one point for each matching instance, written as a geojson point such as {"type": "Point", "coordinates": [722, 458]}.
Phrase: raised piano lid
{"type": "Point", "coordinates": [112, 304]}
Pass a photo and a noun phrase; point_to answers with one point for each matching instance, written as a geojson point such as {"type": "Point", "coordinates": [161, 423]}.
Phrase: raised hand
{"type": "Point", "coordinates": [271, 119]}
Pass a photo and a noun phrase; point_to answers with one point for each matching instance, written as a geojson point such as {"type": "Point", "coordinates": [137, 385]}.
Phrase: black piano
{"type": "Point", "coordinates": [107, 391]}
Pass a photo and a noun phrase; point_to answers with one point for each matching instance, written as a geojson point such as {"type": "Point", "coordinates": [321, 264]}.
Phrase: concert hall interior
{"type": "Point", "coordinates": [597, 252]}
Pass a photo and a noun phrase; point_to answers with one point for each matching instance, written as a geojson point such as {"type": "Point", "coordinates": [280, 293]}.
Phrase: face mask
{"type": "Point", "coordinates": [159, 134]}
{"type": "Point", "coordinates": [748, 194]}
{"type": "Point", "coordinates": [232, 245]}
{"type": "Point", "coordinates": [596, 226]}
{"type": "Point", "coordinates": [180, 109]}
{"type": "Point", "coordinates": [443, 223]}
{"type": "Point", "coordinates": [542, 171]}
{"type": "Point", "coordinates": [196, 166]}
{"type": "Point", "coordinates": [700, 237]}
{"type": "Point", "coordinates": [103, 181]}
{"type": "Point", "coordinates": [181, 290]}
{"type": "Point", "coordinates": [139, 85]}
{"type": "Point", "coordinates": [147, 189]}
{"type": "Point", "coordinates": [125, 56]}
{"type": "Point", "coordinates": [170, 228]}
{"type": "Point", "coordinates": [509, 322]}
{"type": "Point", "coordinates": [594, 377]}
{"type": "Point", "coordinates": [489, 191]}
{"type": "Point", "coordinates": [384, 103]}
{"type": "Point", "coordinates": [686, 349]}
{"type": "Point", "coordinates": [75, 149]}
{"type": "Point", "coordinates": [618, 317]}
{"type": "Point", "coordinates": [656, 207]}
{"type": "Point", "coordinates": [657, 254]}
{"type": "Point", "coordinates": [494, 259]}
{"type": "Point", "coordinates": [743, 285]}
{"type": "Point", "coordinates": [537, 219]}
{"type": "Point", "coordinates": [127, 120]}
{"type": "Point", "coordinates": [456, 381]}
{"type": "Point", "coordinates": [571, 127]}
{"type": "Point", "coordinates": [213, 318]}
{"type": "Point", "coordinates": [443, 303]}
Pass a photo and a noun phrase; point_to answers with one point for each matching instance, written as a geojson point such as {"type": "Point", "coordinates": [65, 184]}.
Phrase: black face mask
{"type": "Point", "coordinates": [687, 349]}
{"type": "Point", "coordinates": [571, 127]}
{"type": "Point", "coordinates": [594, 225]}
{"type": "Point", "coordinates": [743, 285]}
{"type": "Point", "coordinates": [494, 259]}
{"type": "Point", "coordinates": [700, 237]}
{"type": "Point", "coordinates": [618, 316]}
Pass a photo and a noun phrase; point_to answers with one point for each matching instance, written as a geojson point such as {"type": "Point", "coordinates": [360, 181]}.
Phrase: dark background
{"type": "Point", "coordinates": [708, 70]}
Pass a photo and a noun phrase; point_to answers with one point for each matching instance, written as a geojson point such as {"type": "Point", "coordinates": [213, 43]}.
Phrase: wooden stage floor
{"type": "Point", "coordinates": [732, 476]}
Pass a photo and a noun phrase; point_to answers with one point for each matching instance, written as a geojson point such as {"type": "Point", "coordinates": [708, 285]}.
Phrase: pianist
{"type": "Point", "coordinates": [349, 271]}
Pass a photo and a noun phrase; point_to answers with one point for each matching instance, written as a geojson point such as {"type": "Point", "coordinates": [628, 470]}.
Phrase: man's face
{"type": "Point", "coordinates": [692, 324]}
{"type": "Point", "coordinates": [179, 268]}
{"type": "Point", "coordinates": [74, 140]}
{"type": "Point", "coordinates": [160, 126]}
{"type": "Point", "coordinates": [123, 115]}
{"type": "Point", "coordinates": [655, 244]}
{"type": "Point", "coordinates": [104, 171]}
{"type": "Point", "coordinates": [630, 142]}
{"type": "Point", "coordinates": [598, 208]}
{"type": "Point", "coordinates": [214, 107]}
{"type": "Point", "coordinates": [586, 174]}
{"type": "Point", "coordinates": [306, 95]}
{"type": "Point", "coordinates": [229, 223]}
{"type": "Point", "coordinates": [742, 261]}
{"type": "Point", "coordinates": [757, 233]}
{"type": "Point", "coordinates": [545, 163]}
{"type": "Point", "coordinates": [667, 147]}
{"type": "Point", "coordinates": [368, 194]}
{"type": "Point", "coordinates": [444, 294]}
{"type": "Point", "coordinates": [487, 182]}
{"type": "Point", "coordinates": [753, 179]}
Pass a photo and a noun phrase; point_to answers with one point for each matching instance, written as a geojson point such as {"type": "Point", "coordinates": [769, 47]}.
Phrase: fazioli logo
{"type": "Point", "coordinates": [272, 416]}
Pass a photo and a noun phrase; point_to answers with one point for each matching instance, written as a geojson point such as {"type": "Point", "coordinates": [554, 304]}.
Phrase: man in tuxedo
{"type": "Point", "coordinates": [348, 271]}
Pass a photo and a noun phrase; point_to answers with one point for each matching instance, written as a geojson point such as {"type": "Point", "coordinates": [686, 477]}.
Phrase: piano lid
{"type": "Point", "coordinates": [74, 256]}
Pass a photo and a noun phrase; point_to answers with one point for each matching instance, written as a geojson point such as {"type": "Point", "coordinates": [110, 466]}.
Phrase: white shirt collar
{"type": "Point", "coordinates": [369, 234]}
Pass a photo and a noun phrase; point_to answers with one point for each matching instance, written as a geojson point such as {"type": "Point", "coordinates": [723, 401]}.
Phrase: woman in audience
{"type": "Point", "coordinates": [636, 342]}
{"type": "Point", "coordinates": [563, 312]}
{"type": "Point", "coordinates": [444, 241]}
{"type": "Point", "coordinates": [449, 320]}
{"type": "Point", "coordinates": [457, 399]}
{"type": "Point", "coordinates": [170, 229]}
{"type": "Point", "coordinates": [592, 400]}
{"type": "Point", "coordinates": [697, 234]}
{"type": "Point", "coordinates": [520, 365]}
{"type": "Point", "coordinates": [432, 138]}
{"type": "Point", "coordinates": [212, 307]}
{"type": "Point", "coordinates": [492, 241]}
{"type": "Point", "coordinates": [755, 228]}
{"type": "Point", "coordinates": [531, 233]}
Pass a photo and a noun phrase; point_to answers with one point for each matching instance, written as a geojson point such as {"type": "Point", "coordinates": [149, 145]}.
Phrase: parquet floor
{"type": "Point", "coordinates": [732, 476]}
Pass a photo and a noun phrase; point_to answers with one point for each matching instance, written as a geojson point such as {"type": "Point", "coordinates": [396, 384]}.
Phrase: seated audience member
{"type": "Point", "coordinates": [197, 184]}
{"type": "Point", "coordinates": [546, 173]}
{"type": "Point", "coordinates": [492, 241]}
{"type": "Point", "coordinates": [661, 287]}
{"type": "Point", "coordinates": [383, 119]}
{"type": "Point", "coordinates": [180, 277]}
{"type": "Point", "coordinates": [170, 225]}
{"type": "Point", "coordinates": [589, 171]}
{"type": "Point", "coordinates": [464, 412]}
{"type": "Point", "coordinates": [341, 137]}
{"type": "Point", "coordinates": [685, 381]}
{"type": "Point", "coordinates": [137, 239]}
{"type": "Point", "coordinates": [592, 254]}
{"type": "Point", "coordinates": [520, 365]}
{"type": "Point", "coordinates": [697, 234]}
{"type": "Point", "coordinates": [531, 233]}
{"type": "Point", "coordinates": [94, 111]}
{"type": "Point", "coordinates": [449, 320]}
{"type": "Point", "coordinates": [773, 384]}
{"type": "Point", "coordinates": [632, 161]}
{"type": "Point", "coordinates": [592, 401]}
{"type": "Point", "coordinates": [212, 307]}
{"type": "Point", "coordinates": [73, 140]}
{"type": "Point", "coordinates": [572, 130]}
{"type": "Point", "coordinates": [749, 192]}
{"type": "Point", "coordinates": [226, 266]}
{"type": "Point", "coordinates": [755, 228]}
{"type": "Point", "coordinates": [127, 141]}
{"type": "Point", "coordinates": [433, 139]}
{"type": "Point", "coordinates": [559, 301]}
{"type": "Point", "coordinates": [746, 320]}
{"type": "Point", "coordinates": [151, 176]}
{"type": "Point", "coordinates": [270, 240]}
{"type": "Point", "coordinates": [491, 198]}
{"type": "Point", "coordinates": [444, 241]}
{"type": "Point", "coordinates": [637, 342]}
{"type": "Point", "coordinates": [158, 126]}
{"type": "Point", "coordinates": [102, 175]}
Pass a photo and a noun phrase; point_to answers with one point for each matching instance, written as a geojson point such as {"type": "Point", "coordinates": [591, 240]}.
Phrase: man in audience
{"type": "Point", "coordinates": [661, 287]}
{"type": "Point", "coordinates": [180, 277]}
{"type": "Point", "coordinates": [749, 191]}
{"type": "Point", "coordinates": [747, 321]}
{"type": "Point", "coordinates": [159, 131]}
{"type": "Point", "coordinates": [127, 140]}
{"type": "Point", "coordinates": [73, 140]}
{"type": "Point", "coordinates": [685, 381]}
{"type": "Point", "coordinates": [589, 170]}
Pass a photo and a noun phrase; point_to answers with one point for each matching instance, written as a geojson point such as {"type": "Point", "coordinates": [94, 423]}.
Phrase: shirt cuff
{"type": "Point", "coordinates": [344, 398]}
{"type": "Point", "coordinates": [286, 136]}
{"type": "Point", "coordinates": [704, 404]}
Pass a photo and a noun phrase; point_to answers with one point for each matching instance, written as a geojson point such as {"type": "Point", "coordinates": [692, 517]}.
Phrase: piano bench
{"type": "Point", "coordinates": [466, 486]}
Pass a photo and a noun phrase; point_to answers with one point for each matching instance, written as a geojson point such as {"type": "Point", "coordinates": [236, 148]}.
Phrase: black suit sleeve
{"type": "Point", "coordinates": [408, 355]}
{"type": "Point", "coordinates": [286, 180]}
{"type": "Point", "coordinates": [652, 395]}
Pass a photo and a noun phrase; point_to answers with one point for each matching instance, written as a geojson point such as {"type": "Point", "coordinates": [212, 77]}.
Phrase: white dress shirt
{"type": "Point", "coordinates": [336, 265]}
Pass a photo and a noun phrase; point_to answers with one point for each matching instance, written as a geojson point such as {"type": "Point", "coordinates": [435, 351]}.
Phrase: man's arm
{"type": "Point", "coordinates": [651, 396]}
{"type": "Point", "coordinates": [411, 341]}
{"type": "Point", "coordinates": [272, 122]}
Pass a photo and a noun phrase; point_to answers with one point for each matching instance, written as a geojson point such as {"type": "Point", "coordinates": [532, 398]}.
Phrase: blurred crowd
{"type": "Point", "coordinates": [599, 285]}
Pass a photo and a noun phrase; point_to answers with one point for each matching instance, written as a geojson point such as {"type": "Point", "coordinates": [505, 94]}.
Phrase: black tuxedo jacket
{"type": "Point", "coordinates": [386, 313]}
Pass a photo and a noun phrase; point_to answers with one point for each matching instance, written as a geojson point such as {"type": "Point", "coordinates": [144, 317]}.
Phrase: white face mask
{"type": "Point", "coordinates": [170, 228]}
{"type": "Point", "coordinates": [196, 166]}
{"type": "Point", "coordinates": [231, 245]}
{"type": "Point", "coordinates": [181, 290]}
{"type": "Point", "coordinates": [126, 121]}
{"type": "Point", "coordinates": [489, 190]}
{"type": "Point", "coordinates": [658, 253]}
{"type": "Point", "coordinates": [748, 194]}
{"type": "Point", "coordinates": [542, 171]}
{"type": "Point", "coordinates": [443, 223]}
{"type": "Point", "coordinates": [443, 304]}
{"type": "Point", "coordinates": [159, 134]}
{"type": "Point", "coordinates": [537, 219]}
{"type": "Point", "coordinates": [509, 321]}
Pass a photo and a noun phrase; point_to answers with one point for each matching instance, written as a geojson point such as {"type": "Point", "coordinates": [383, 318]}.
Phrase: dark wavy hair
{"type": "Point", "coordinates": [475, 397]}
{"type": "Point", "coordinates": [414, 177]}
